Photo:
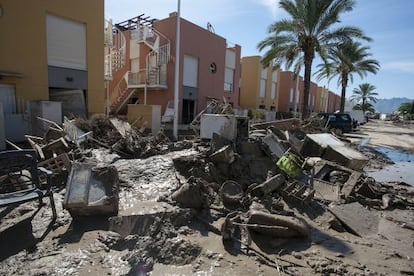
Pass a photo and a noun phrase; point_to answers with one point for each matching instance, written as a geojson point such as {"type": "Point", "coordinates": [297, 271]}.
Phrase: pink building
{"type": "Point", "coordinates": [209, 67]}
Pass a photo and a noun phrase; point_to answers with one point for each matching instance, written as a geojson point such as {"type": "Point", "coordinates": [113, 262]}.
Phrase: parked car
{"type": "Point", "coordinates": [341, 121]}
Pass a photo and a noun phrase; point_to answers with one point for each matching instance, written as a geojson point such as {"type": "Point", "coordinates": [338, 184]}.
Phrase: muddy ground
{"type": "Point", "coordinates": [188, 241]}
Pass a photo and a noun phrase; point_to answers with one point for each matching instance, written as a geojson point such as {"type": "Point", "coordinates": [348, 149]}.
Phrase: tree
{"type": "Point", "coordinates": [406, 108]}
{"type": "Point", "coordinates": [309, 31]}
{"type": "Point", "coordinates": [364, 107]}
{"type": "Point", "coordinates": [364, 94]}
{"type": "Point", "coordinates": [345, 60]}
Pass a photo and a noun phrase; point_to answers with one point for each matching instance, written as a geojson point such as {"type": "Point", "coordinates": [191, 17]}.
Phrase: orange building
{"type": "Point", "coordinates": [258, 85]}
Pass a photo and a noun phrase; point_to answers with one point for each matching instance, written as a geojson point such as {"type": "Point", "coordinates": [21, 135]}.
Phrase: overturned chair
{"type": "Point", "coordinates": [20, 179]}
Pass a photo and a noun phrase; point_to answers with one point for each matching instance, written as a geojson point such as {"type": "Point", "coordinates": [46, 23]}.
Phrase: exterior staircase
{"type": "Point", "coordinates": [115, 49]}
{"type": "Point", "coordinates": [154, 76]}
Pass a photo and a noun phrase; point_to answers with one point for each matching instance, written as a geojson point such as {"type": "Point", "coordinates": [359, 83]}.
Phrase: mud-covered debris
{"type": "Point", "coordinates": [277, 225]}
{"type": "Point", "coordinates": [231, 193]}
{"type": "Point", "coordinates": [190, 195]}
{"type": "Point", "coordinates": [92, 190]}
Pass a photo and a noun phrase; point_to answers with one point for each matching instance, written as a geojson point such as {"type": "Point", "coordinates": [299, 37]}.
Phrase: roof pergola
{"type": "Point", "coordinates": [135, 22]}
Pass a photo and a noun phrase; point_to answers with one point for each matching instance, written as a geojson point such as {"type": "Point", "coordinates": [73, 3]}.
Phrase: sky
{"type": "Point", "coordinates": [390, 23]}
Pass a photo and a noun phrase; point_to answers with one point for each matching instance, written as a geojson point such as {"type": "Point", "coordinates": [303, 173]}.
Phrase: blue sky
{"type": "Point", "coordinates": [389, 22]}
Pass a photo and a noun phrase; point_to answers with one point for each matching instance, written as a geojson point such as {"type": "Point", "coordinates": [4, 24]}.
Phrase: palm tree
{"type": "Point", "coordinates": [364, 94]}
{"type": "Point", "coordinates": [343, 61]}
{"type": "Point", "coordinates": [309, 31]}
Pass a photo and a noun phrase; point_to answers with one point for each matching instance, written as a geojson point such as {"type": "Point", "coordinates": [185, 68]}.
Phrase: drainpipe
{"type": "Point", "coordinates": [176, 73]}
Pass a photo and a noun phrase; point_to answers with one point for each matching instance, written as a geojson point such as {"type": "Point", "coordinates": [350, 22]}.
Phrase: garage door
{"type": "Point", "coordinates": [66, 43]}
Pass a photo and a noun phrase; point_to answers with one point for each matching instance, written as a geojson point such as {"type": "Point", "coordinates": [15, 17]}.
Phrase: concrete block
{"type": "Point", "coordinates": [346, 156]}
{"type": "Point", "coordinates": [91, 190]}
{"type": "Point", "coordinates": [315, 145]}
{"type": "Point", "coordinates": [223, 124]}
{"type": "Point", "coordinates": [357, 218]}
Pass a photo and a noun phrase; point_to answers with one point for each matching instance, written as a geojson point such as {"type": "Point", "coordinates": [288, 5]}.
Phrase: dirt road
{"type": "Point", "coordinates": [387, 134]}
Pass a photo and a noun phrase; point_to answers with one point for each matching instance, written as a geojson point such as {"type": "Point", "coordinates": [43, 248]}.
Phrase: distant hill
{"type": "Point", "coordinates": [389, 105]}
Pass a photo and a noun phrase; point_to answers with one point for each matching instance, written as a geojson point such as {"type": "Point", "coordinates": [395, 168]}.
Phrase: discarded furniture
{"type": "Point", "coordinates": [73, 133]}
{"type": "Point", "coordinates": [49, 150]}
{"type": "Point", "coordinates": [92, 190]}
{"type": "Point", "coordinates": [315, 145]}
{"type": "Point", "coordinates": [223, 124]}
{"type": "Point", "coordinates": [290, 163]}
{"type": "Point", "coordinates": [19, 179]}
{"type": "Point", "coordinates": [57, 165]}
{"type": "Point", "coordinates": [298, 192]}
{"type": "Point", "coordinates": [346, 156]}
{"type": "Point", "coordinates": [345, 178]}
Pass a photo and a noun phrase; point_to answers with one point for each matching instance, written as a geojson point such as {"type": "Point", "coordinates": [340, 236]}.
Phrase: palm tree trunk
{"type": "Point", "coordinates": [344, 84]}
{"type": "Point", "coordinates": [306, 87]}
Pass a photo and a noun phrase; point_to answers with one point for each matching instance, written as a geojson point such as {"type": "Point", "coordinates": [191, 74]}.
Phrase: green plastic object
{"type": "Point", "coordinates": [290, 163]}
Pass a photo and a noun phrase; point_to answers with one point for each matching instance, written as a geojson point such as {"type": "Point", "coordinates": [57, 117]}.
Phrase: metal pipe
{"type": "Point", "coordinates": [176, 74]}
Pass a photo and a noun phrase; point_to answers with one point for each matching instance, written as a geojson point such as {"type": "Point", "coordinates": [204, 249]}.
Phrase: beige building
{"type": "Point", "coordinates": [258, 85]}
{"type": "Point", "coordinates": [52, 50]}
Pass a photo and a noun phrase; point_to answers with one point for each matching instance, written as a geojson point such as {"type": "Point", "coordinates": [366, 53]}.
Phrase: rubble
{"type": "Point", "coordinates": [239, 195]}
{"type": "Point", "coordinates": [92, 190]}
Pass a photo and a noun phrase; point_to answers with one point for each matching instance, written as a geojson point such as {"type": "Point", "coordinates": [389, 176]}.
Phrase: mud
{"type": "Point", "coordinates": [178, 240]}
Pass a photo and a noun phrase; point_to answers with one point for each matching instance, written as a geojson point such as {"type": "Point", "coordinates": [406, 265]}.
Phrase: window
{"type": "Point", "coordinates": [262, 91]}
{"type": "Point", "coordinates": [66, 43]}
{"type": "Point", "coordinates": [273, 91]}
{"type": "Point", "coordinates": [228, 79]}
{"type": "Point", "coordinates": [190, 76]}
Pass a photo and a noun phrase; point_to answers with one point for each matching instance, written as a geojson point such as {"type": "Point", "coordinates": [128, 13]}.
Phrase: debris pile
{"type": "Point", "coordinates": [264, 189]}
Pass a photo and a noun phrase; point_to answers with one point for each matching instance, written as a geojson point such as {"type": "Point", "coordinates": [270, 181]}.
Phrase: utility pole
{"type": "Point", "coordinates": [176, 74]}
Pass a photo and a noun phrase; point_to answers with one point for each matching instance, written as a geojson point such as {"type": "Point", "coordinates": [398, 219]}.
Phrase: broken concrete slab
{"type": "Point", "coordinates": [286, 124]}
{"type": "Point", "coordinates": [138, 219]}
{"type": "Point", "coordinates": [358, 219]}
{"type": "Point", "coordinates": [92, 190]}
{"type": "Point", "coordinates": [315, 145]}
{"type": "Point", "coordinates": [224, 155]}
{"type": "Point", "coordinates": [346, 156]}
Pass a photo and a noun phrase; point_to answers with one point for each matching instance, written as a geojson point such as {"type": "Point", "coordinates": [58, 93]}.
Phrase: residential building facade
{"type": "Point", "coordinates": [290, 92]}
{"type": "Point", "coordinates": [49, 47]}
{"type": "Point", "coordinates": [322, 99]}
{"type": "Point", "coordinates": [209, 68]}
{"type": "Point", "coordinates": [258, 85]}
